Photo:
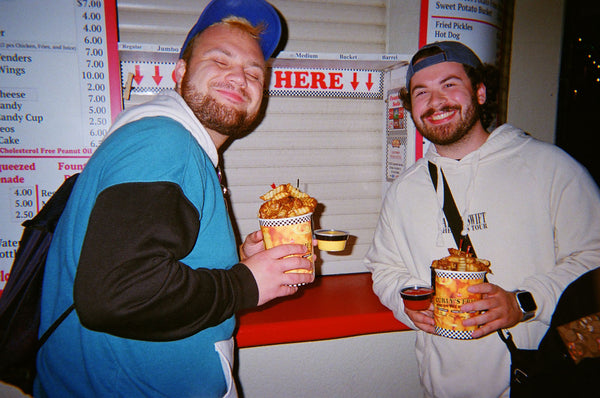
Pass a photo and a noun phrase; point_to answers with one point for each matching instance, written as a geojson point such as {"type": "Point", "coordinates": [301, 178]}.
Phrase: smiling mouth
{"type": "Point", "coordinates": [441, 115]}
{"type": "Point", "coordinates": [232, 96]}
{"type": "Point", "coordinates": [230, 93]}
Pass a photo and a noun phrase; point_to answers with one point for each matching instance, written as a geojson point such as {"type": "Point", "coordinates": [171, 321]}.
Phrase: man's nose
{"type": "Point", "coordinates": [237, 75]}
{"type": "Point", "coordinates": [437, 98]}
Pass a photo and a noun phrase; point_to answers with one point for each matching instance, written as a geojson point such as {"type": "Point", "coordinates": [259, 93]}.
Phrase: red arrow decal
{"type": "Point", "coordinates": [355, 81]}
{"type": "Point", "coordinates": [137, 77]}
{"type": "Point", "coordinates": [369, 83]}
{"type": "Point", "coordinates": [157, 77]}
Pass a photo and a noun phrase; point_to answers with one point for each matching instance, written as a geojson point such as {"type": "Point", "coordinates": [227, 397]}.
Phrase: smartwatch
{"type": "Point", "coordinates": [526, 304]}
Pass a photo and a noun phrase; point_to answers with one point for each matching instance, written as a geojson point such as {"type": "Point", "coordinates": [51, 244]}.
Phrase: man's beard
{"type": "Point", "coordinates": [213, 115]}
{"type": "Point", "coordinates": [449, 133]}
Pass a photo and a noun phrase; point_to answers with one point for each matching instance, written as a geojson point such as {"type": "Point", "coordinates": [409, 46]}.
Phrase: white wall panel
{"type": "Point", "coordinates": [333, 147]}
{"type": "Point", "coordinates": [319, 26]}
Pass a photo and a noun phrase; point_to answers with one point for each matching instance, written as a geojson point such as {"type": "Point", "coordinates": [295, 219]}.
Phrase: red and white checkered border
{"type": "Point", "coordinates": [279, 222]}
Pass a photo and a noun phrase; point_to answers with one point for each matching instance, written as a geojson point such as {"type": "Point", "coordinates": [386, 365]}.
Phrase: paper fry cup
{"type": "Point", "coordinates": [279, 231]}
{"type": "Point", "coordinates": [450, 294]}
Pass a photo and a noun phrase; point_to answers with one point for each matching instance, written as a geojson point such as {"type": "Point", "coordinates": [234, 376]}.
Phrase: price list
{"type": "Point", "coordinates": [59, 92]}
{"type": "Point", "coordinates": [94, 70]}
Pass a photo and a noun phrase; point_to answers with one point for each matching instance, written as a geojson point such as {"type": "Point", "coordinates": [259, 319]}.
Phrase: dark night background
{"type": "Point", "coordinates": [577, 126]}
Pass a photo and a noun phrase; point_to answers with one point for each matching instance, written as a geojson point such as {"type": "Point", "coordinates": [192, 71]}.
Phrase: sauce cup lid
{"type": "Point", "coordinates": [331, 234]}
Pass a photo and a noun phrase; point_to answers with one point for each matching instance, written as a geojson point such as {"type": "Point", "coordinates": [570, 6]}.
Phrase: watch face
{"type": "Point", "coordinates": [526, 301]}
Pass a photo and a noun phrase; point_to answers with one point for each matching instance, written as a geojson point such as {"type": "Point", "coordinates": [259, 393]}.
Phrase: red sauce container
{"type": "Point", "coordinates": [417, 298]}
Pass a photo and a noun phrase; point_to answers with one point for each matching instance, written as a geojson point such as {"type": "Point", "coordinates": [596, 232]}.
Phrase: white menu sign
{"type": "Point", "coordinates": [59, 91]}
{"type": "Point", "coordinates": [475, 23]}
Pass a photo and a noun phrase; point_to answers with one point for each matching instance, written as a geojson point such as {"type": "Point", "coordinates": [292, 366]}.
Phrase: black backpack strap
{"type": "Point", "coordinates": [508, 340]}
{"type": "Point", "coordinates": [433, 174]}
{"type": "Point", "coordinates": [48, 216]}
{"type": "Point", "coordinates": [452, 215]}
{"type": "Point", "coordinates": [53, 327]}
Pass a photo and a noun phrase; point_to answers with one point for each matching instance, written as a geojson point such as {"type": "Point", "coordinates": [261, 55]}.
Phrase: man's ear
{"type": "Point", "coordinates": [481, 93]}
{"type": "Point", "coordinates": [179, 72]}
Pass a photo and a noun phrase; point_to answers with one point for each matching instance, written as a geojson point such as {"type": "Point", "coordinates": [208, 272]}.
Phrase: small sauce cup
{"type": "Point", "coordinates": [331, 240]}
{"type": "Point", "coordinates": [417, 298]}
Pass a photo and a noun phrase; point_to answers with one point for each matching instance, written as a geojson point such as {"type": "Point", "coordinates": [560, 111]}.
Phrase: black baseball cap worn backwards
{"type": "Point", "coordinates": [255, 11]}
{"type": "Point", "coordinates": [451, 51]}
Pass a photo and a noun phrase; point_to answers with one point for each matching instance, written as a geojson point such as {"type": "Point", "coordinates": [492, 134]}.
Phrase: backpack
{"type": "Point", "coordinates": [20, 302]}
{"type": "Point", "coordinates": [550, 371]}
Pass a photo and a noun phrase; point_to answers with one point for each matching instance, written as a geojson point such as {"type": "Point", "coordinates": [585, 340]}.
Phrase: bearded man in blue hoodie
{"type": "Point", "coordinates": [145, 248]}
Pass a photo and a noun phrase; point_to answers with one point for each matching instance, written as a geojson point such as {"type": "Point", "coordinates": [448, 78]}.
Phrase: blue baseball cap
{"type": "Point", "coordinates": [255, 11]}
{"type": "Point", "coordinates": [450, 51]}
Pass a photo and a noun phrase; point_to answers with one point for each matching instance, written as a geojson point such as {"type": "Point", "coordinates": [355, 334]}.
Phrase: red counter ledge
{"type": "Point", "coordinates": [333, 306]}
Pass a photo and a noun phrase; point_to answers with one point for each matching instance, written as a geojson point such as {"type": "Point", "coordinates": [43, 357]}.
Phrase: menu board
{"type": "Point", "coordinates": [59, 92]}
{"type": "Point", "coordinates": [475, 23]}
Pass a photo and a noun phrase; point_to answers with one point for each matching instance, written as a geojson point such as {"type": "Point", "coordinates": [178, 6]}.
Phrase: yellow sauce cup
{"type": "Point", "coordinates": [331, 240]}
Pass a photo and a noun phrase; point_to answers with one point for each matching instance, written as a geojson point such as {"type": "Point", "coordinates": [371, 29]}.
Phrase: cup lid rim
{"type": "Point", "coordinates": [321, 234]}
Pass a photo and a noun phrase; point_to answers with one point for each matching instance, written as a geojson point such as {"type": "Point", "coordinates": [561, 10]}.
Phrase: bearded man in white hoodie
{"type": "Point", "coordinates": [527, 206]}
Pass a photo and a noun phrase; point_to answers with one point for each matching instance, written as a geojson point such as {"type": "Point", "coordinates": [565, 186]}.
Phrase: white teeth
{"type": "Point", "coordinates": [440, 116]}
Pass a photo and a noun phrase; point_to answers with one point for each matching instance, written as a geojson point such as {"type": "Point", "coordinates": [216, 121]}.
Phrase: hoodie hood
{"type": "Point", "coordinates": [502, 142]}
{"type": "Point", "coordinates": [171, 105]}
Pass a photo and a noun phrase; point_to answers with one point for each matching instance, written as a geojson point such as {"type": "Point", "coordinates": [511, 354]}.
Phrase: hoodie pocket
{"type": "Point", "coordinates": [225, 350]}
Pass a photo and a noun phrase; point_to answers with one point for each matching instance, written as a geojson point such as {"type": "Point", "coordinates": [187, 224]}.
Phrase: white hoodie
{"type": "Point", "coordinates": [529, 208]}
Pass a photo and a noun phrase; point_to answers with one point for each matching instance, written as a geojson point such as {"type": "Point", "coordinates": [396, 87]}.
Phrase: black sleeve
{"type": "Point", "coordinates": [130, 282]}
